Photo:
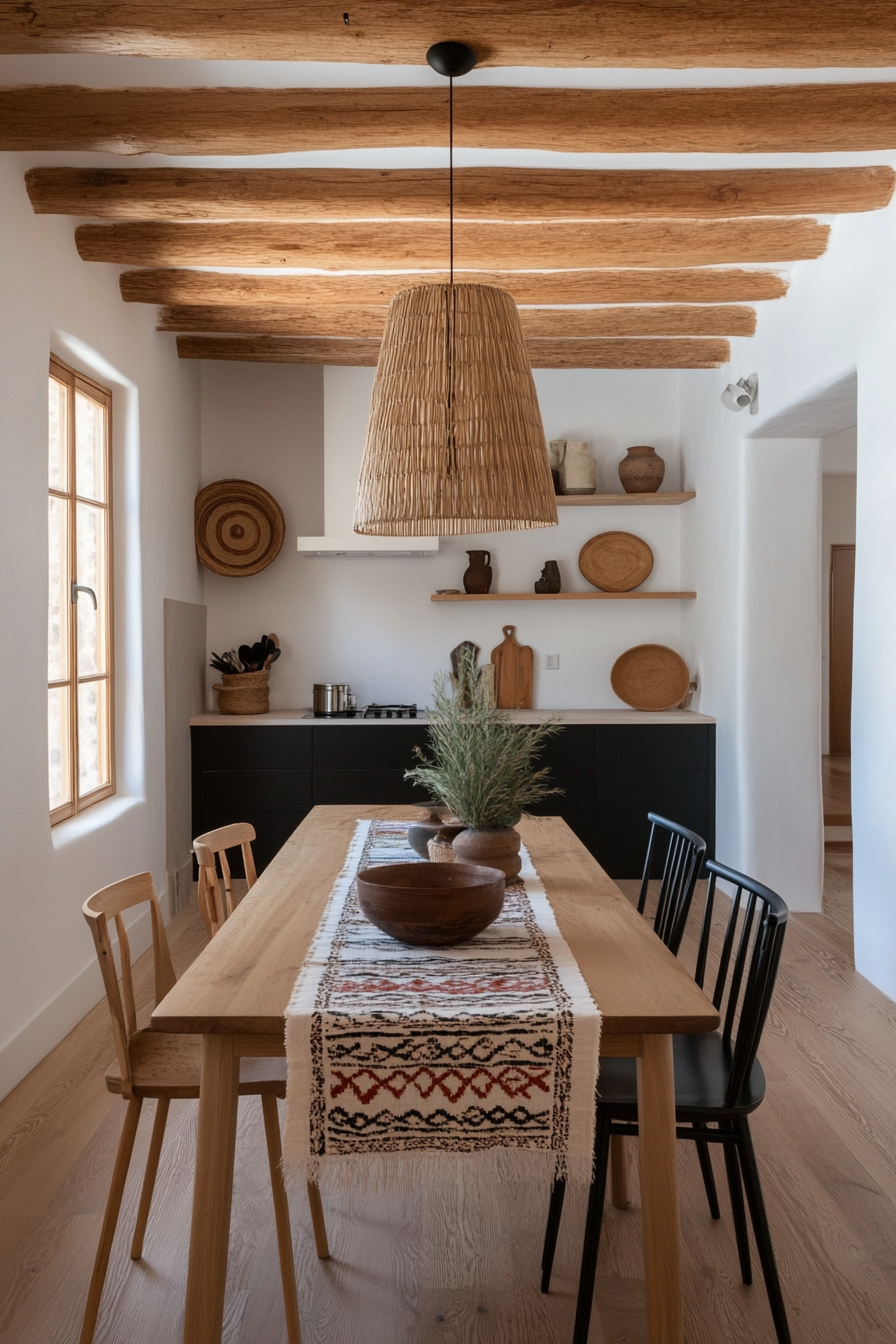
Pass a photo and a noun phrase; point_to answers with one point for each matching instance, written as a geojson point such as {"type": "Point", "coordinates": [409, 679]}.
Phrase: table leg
{"type": "Point", "coordinates": [213, 1191]}
{"type": "Point", "coordinates": [659, 1189]}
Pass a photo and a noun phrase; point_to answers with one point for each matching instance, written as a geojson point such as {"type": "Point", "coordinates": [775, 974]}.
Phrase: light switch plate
{"type": "Point", "coordinates": [552, 662]}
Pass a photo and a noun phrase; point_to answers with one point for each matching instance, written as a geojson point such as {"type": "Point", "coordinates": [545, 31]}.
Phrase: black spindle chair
{"type": "Point", "coordinates": [718, 1082]}
{"type": "Point", "coordinates": [681, 866]}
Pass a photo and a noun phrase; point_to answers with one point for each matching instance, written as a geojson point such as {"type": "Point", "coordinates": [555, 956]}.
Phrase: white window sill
{"type": "Point", "coordinates": [93, 819]}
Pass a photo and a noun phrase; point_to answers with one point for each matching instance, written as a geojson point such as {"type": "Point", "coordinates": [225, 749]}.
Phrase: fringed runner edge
{"type": "Point", "coordinates": [410, 1171]}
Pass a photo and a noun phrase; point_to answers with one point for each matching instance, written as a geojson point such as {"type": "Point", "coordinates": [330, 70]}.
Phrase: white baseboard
{"type": "Point", "coordinates": [20, 1054]}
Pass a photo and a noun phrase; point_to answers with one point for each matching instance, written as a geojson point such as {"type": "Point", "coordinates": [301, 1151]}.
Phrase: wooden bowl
{"type": "Point", "coordinates": [431, 904]}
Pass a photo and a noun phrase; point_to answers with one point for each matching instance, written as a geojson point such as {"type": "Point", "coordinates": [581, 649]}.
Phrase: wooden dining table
{"type": "Point", "coordinates": [235, 994]}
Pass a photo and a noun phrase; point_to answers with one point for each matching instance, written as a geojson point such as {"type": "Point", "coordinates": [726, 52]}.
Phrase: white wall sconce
{"type": "Point", "coordinates": [745, 392]}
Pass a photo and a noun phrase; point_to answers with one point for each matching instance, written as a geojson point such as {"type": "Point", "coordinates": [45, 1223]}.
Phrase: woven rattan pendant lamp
{"type": "Point", "coordinates": [455, 442]}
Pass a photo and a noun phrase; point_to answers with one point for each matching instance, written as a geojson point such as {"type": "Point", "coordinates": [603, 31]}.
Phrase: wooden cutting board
{"type": "Point", "coordinates": [513, 672]}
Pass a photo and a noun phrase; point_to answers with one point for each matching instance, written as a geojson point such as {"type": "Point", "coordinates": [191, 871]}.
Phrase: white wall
{"type": "Point", "coordinates": [839, 316]}
{"type": "Point", "coordinates": [369, 621]}
{"type": "Point", "coordinates": [838, 528]}
{"type": "Point", "coordinates": [54, 301]}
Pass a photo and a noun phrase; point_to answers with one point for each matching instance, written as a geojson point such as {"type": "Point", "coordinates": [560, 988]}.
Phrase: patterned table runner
{"type": "Point", "coordinates": [408, 1064]}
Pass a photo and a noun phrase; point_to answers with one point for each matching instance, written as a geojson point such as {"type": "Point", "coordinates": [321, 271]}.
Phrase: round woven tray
{"type": "Point", "coordinates": [650, 676]}
{"type": "Point", "coordinates": [244, 693]}
{"type": "Point", "coordinates": [239, 528]}
{"type": "Point", "coordinates": [616, 562]}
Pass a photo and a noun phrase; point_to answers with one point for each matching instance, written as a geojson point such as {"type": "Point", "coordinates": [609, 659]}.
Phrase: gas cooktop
{"type": "Point", "coordinates": [371, 712]}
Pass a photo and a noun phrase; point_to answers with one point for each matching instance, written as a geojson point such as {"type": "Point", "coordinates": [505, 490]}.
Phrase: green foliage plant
{"type": "Point", "coordinates": [480, 763]}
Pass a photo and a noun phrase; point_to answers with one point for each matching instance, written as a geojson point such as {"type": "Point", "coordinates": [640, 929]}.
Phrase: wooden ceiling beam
{"type": "Point", "coordinates": [537, 323]}
{"type": "Point", "coordinates": [423, 245]}
{"type": "Point", "coordinates": [664, 33]}
{"type": "Point", "coordinates": [178, 287]}
{"type": "Point", "coordinates": [685, 353]}
{"type": "Point", "coordinates": [785, 118]}
{"type": "Point", "coordinates": [512, 194]}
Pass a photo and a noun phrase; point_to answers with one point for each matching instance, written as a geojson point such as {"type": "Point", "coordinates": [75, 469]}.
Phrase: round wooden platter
{"type": "Point", "coordinates": [650, 676]}
{"type": "Point", "coordinates": [616, 562]}
{"type": "Point", "coordinates": [239, 528]}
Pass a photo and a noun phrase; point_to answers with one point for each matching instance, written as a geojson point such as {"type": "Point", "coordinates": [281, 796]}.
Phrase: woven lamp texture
{"type": "Point", "coordinates": [455, 442]}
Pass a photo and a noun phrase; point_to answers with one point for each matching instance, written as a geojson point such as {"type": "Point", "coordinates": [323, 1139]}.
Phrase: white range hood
{"type": "Point", "coordinates": [347, 393]}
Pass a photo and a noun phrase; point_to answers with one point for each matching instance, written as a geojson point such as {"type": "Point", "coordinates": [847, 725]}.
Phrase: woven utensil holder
{"type": "Point", "coordinates": [440, 850]}
{"type": "Point", "coordinates": [244, 693]}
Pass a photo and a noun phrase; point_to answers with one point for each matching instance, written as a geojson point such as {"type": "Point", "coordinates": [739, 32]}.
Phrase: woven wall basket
{"type": "Point", "coordinates": [455, 442]}
{"type": "Point", "coordinates": [239, 528]}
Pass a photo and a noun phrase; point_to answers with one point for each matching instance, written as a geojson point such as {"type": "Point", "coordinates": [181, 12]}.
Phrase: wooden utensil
{"type": "Point", "coordinates": [616, 562]}
{"type": "Point", "coordinates": [650, 676]}
{"type": "Point", "coordinates": [513, 672]}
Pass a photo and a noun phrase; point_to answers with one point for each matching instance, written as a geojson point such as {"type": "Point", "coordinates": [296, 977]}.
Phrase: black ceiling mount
{"type": "Point", "coordinates": [451, 59]}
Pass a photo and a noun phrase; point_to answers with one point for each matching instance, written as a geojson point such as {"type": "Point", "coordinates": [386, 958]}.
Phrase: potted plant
{"type": "Point", "coordinates": [480, 766]}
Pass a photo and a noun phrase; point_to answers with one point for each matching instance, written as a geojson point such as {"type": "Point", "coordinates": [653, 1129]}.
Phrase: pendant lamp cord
{"type": "Point", "coordinates": [451, 180]}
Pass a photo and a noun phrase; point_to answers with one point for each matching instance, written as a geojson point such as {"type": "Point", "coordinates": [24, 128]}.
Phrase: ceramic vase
{"type": "Point", "coordinates": [491, 849]}
{"type": "Point", "coordinates": [578, 471]}
{"type": "Point", "coordinates": [478, 574]}
{"type": "Point", "coordinates": [641, 471]}
{"type": "Point", "coordinates": [556, 453]}
{"type": "Point", "coordinates": [550, 578]}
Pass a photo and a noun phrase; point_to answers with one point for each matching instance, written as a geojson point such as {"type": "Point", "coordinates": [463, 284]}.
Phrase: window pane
{"type": "Point", "coordinates": [90, 440]}
{"type": "Point", "coordinates": [93, 703]}
{"type": "Point", "coordinates": [58, 453]}
{"type": "Point", "coordinates": [57, 633]}
{"type": "Point", "coordinates": [58, 726]}
{"type": "Point", "coordinates": [91, 545]}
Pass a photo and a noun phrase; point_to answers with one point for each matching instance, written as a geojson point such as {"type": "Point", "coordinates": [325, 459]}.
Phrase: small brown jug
{"type": "Point", "coordinates": [641, 471]}
{"type": "Point", "coordinates": [478, 574]}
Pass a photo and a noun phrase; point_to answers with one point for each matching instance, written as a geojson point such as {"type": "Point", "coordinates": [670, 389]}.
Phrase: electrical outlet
{"type": "Point", "coordinates": [552, 662]}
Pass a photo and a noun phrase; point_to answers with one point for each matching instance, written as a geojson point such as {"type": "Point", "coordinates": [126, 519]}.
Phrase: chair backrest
{"type": "Point", "coordinates": [110, 903]}
{"type": "Point", "coordinates": [745, 978]}
{"type": "Point", "coordinates": [211, 849]}
{"type": "Point", "coordinates": [684, 855]}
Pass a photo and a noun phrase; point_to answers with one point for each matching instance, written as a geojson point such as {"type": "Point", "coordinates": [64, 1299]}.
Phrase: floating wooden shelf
{"type": "Point", "coordinates": [563, 597]}
{"type": "Point", "coordinates": [669, 497]}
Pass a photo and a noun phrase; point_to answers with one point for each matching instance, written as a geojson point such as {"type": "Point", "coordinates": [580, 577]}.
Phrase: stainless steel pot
{"type": "Point", "coordinates": [331, 698]}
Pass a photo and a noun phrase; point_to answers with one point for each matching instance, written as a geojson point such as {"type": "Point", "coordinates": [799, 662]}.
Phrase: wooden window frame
{"type": "Point", "coordinates": [79, 382]}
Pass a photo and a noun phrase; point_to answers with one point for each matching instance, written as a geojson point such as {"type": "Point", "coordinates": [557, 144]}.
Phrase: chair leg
{"type": "Point", "coordinates": [321, 1244]}
{"type": "Point", "coordinates": [149, 1175]}
{"type": "Point", "coordinates": [555, 1211]}
{"type": "Point", "coordinates": [736, 1192]}
{"type": "Point", "coordinates": [706, 1171]}
{"type": "Point", "coordinates": [110, 1218]}
{"type": "Point", "coordinates": [760, 1229]}
{"type": "Point", "coordinates": [593, 1223]}
{"type": "Point", "coordinates": [620, 1194]}
{"type": "Point", "coordinates": [281, 1215]}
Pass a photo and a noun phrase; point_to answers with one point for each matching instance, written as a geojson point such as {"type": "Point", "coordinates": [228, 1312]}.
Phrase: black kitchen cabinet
{"type": "Point", "coordinates": [611, 775]}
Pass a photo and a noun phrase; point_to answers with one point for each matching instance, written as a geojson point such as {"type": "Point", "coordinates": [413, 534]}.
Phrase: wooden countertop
{"type": "Point", "coordinates": [278, 718]}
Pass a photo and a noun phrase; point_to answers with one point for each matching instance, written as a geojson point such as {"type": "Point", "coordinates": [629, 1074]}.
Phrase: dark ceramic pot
{"type": "Point", "coordinates": [641, 471]}
{"type": "Point", "coordinates": [431, 904]}
{"type": "Point", "coordinates": [420, 834]}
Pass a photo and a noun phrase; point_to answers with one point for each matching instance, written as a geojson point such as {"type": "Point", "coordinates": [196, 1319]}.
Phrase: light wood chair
{"type": "Point", "coordinates": [211, 849]}
{"type": "Point", "coordinates": [165, 1066]}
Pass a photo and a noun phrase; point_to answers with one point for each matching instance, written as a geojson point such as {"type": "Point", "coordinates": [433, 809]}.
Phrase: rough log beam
{"type": "Point", "coordinates": [796, 118]}
{"type": "Point", "coordinates": [294, 194]}
{"type": "Point", "coordinates": [665, 33]}
{"type": "Point", "coordinates": [553, 323]}
{"type": "Point", "coordinates": [181, 287]}
{"type": "Point", "coordinates": [545, 354]}
{"type": "Point", "coordinates": [423, 245]}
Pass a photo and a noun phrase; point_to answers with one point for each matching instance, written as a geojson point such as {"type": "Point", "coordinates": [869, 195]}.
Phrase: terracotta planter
{"type": "Point", "coordinates": [494, 849]}
{"type": "Point", "coordinates": [641, 471]}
